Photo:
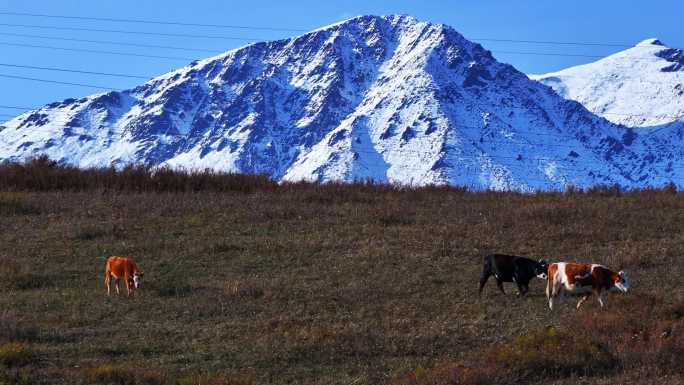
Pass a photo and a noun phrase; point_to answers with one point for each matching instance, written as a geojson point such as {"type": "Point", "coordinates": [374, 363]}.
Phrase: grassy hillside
{"type": "Point", "coordinates": [327, 284]}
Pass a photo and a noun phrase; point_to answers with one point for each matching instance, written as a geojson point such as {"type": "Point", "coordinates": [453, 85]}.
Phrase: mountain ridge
{"type": "Point", "coordinates": [637, 87]}
{"type": "Point", "coordinates": [389, 98]}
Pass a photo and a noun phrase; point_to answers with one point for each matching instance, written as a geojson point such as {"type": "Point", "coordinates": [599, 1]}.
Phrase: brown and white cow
{"type": "Point", "coordinates": [122, 267]}
{"type": "Point", "coordinates": [584, 279]}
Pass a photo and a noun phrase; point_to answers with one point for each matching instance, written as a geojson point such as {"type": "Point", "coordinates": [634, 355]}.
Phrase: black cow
{"type": "Point", "coordinates": [511, 268]}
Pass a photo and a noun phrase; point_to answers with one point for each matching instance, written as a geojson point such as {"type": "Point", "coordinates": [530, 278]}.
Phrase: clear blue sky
{"type": "Point", "coordinates": [604, 21]}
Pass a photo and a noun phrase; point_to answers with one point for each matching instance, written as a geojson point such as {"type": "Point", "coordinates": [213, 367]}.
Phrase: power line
{"type": "Point", "coordinates": [251, 39]}
{"type": "Point", "coordinates": [496, 157]}
{"type": "Point", "coordinates": [189, 59]}
{"type": "Point", "coordinates": [167, 34]}
{"type": "Point", "coordinates": [97, 51]}
{"type": "Point", "coordinates": [464, 127]}
{"type": "Point", "coordinates": [18, 108]}
{"type": "Point", "coordinates": [248, 40]}
{"type": "Point", "coordinates": [599, 113]}
{"type": "Point", "coordinates": [484, 128]}
{"type": "Point", "coordinates": [623, 45]}
{"type": "Point", "coordinates": [561, 54]}
{"type": "Point", "coordinates": [110, 42]}
{"type": "Point", "coordinates": [638, 115]}
{"type": "Point", "coordinates": [24, 45]}
{"type": "Point", "coordinates": [57, 82]}
{"type": "Point", "coordinates": [134, 44]}
{"type": "Point", "coordinates": [74, 71]}
{"type": "Point", "coordinates": [511, 169]}
{"type": "Point", "coordinates": [541, 77]}
{"type": "Point", "coordinates": [490, 157]}
{"type": "Point", "coordinates": [142, 21]}
{"type": "Point", "coordinates": [87, 72]}
{"type": "Point", "coordinates": [595, 112]}
{"type": "Point", "coordinates": [232, 26]}
{"type": "Point", "coordinates": [517, 141]}
{"type": "Point", "coordinates": [458, 127]}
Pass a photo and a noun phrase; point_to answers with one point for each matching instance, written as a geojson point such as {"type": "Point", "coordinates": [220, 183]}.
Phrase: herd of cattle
{"type": "Point", "coordinates": [584, 279]}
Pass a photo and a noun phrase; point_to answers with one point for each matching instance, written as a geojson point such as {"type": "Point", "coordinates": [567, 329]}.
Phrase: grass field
{"type": "Point", "coordinates": [333, 284]}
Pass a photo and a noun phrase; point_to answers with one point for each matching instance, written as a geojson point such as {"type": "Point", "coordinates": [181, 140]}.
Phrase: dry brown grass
{"type": "Point", "coordinates": [15, 354]}
{"type": "Point", "coordinates": [331, 284]}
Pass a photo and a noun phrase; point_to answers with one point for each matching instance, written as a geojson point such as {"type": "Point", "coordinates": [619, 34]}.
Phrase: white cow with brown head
{"type": "Point", "coordinates": [584, 279]}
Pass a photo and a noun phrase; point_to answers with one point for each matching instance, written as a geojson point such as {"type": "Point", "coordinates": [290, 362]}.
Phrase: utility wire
{"type": "Point", "coordinates": [232, 26]}
{"type": "Point", "coordinates": [110, 42]}
{"type": "Point", "coordinates": [74, 71]}
{"type": "Point", "coordinates": [128, 32]}
{"type": "Point", "coordinates": [18, 108]}
{"type": "Point", "coordinates": [517, 140]}
{"type": "Point", "coordinates": [595, 112]}
{"type": "Point", "coordinates": [142, 21]}
{"type": "Point", "coordinates": [560, 54]}
{"type": "Point", "coordinates": [495, 157]}
{"type": "Point", "coordinates": [96, 51]}
{"type": "Point", "coordinates": [541, 78]}
{"type": "Point", "coordinates": [247, 40]}
{"type": "Point", "coordinates": [481, 128]}
{"type": "Point", "coordinates": [244, 27]}
{"type": "Point", "coordinates": [490, 157]}
{"type": "Point", "coordinates": [57, 82]}
{"type": "Point", "coordinates": [188, 59]}
{"type": "Point", "coordinates": [623, 45]}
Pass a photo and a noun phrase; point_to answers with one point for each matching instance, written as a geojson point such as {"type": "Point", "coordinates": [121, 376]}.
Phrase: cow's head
{"type": "Point", "coordinates": [137, 277]}
{"type": "Point", "coordinates": [621, 282]}
{"type": "Point", "coordinates": [541, 269]}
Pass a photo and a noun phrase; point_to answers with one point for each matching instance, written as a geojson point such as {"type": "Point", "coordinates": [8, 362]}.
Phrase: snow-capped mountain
{"type": "Point", "coordinates": [640, 86]}
{"type": "Point", "coordinates": [388, 98]}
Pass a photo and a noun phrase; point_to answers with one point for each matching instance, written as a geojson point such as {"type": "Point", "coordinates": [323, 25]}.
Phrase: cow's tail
{"type": "Point", "coordinates": [106, 275]}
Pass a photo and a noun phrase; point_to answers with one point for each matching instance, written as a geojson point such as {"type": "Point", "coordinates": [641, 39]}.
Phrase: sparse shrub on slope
{"type": "Point", "coordinates": [15, 354]}
{"type": "Point", "coordinates": [552, 353]}
{"type": "Point", "coordinates": [43, 174]}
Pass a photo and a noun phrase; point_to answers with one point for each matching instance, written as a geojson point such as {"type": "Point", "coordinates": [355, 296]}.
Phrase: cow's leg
{"type": "Point", "coordinates": [519, 282]}
{"type": "Point", "coordinates": [552, 292]}
{"type": "Point", "coordinates": [548, 293]}
{"type": "Point", "coordinates": [483, 280]}
{"type": "Point", "coordinates": [525, 289]}
{"type": "Point", "coordinates": [581, 301]}
{"type": "Point", "coordinates": [599, 297]}
{"type": "Point", "coordinates": [116, 285]}
{"type": "Point", "coordinates": [499, 283]}
{"type": "Point", "coordinates": [128, 286]}
{"type": "Point", "coordinates": [107, 282]}
{"type": "Point", "coordinates": [486, 273]}
{"type": "Point", "coordinates": [522, 286]}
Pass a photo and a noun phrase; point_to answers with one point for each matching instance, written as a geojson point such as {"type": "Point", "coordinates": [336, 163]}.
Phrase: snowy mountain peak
{"type": "Point", "coordinates": [389, 98]}
{"type": "Point", "coordinates": [358, 20]}
{"type": "Point", "coordinates": [650, 42]}
{"type": "Point", "coordinates": [639, 87]}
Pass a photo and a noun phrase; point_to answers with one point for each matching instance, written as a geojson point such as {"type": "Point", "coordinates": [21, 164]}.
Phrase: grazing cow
{"type": "Point", "coordinates": [122, 267]}
{"type": "Point", "coordinates": [510, 268]}
{"type": "Point", "coordinates": [584, 279]}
